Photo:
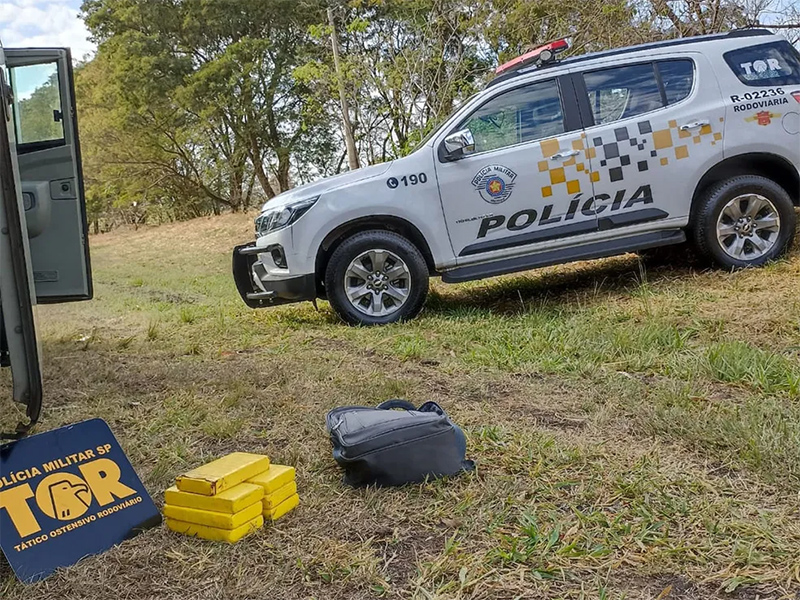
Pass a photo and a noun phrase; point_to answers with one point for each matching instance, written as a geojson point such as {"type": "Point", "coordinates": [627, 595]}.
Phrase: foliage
{"type": "Point", "coordinates": [197, 106]}
{"type": "Point", "coordinates": [192, 106]}
{"type": "Point", "coordinates": [36, 122]}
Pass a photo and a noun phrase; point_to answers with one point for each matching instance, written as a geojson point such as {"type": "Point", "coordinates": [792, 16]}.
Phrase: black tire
{"type": "Point", "coordinates": [713, 201]}
{"type": "Point", "coordinates": [366, 241]}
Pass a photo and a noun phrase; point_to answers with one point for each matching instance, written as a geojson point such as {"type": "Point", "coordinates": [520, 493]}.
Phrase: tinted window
{"type": "Point", "coordinates": [36, 97]}
{"type": "Point", "coordinates": [622, 92]}
{"type": "Point", "coordinates": [525, 114]}
{"type": "Point", "coordinates": [776, 63]}
{"type": "Point", "coordinates": [677, 77]}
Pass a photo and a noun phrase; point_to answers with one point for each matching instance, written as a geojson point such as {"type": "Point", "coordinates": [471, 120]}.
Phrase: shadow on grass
{"type": "Point", "coordinates": [587, 282]}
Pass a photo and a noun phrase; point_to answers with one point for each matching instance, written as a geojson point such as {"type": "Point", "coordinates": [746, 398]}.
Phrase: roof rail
{"type": "Point", "coordinates": [749, 32]}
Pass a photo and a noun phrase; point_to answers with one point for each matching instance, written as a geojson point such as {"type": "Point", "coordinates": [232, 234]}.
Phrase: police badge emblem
{"type": "Point", "coordinates": [494, 183]}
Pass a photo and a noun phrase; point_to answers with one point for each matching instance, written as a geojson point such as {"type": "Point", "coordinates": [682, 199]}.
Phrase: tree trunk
{"type": "Point", "coordinates": [352, 155]}
{"type": "Point", "coordinates": [284, 162]}
{"type": "Point", "coordinates": [258, 167]}
{"type": "Point", "coordinates": [236, 183]}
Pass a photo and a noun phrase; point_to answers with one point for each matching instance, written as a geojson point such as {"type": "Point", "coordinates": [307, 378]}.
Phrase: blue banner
{"type": "Point", "coordinates": [67, 494]}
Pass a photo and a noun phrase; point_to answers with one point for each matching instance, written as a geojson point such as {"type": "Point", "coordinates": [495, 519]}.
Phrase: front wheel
{"type": "Point", "coordinates": [744, 221]}
{"type": "Point", "coordinates": [375, 278]}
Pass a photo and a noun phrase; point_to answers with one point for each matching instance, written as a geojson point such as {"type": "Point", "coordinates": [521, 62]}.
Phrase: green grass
{"type": "Point", "coordinates": [636, 428]}
{"type": "Point", "coordinates": [737, 362]}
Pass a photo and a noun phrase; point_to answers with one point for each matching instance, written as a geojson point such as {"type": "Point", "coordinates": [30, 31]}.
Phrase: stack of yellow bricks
{"type": "Point", "coordinates": [228, 498]}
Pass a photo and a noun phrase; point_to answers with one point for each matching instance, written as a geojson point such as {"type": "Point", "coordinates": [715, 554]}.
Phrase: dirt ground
{"type": "Point", "coordinates": [636, 427]}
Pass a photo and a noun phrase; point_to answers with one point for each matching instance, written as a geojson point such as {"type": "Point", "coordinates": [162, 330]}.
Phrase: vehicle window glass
{"type": "Point", "coordinates": [524, 114]}
{"type": "Point", "coordinates": [37, 103]}
{"type": "Point", "coordinates": [776, 63]}
{"type": "Point", "coordinates": [677, 77]}
{"type": "Point", "coordinates": [622, 92]}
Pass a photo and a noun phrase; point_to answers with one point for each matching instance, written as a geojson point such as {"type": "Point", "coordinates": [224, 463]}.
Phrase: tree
{"type": "Point", "coordinates": [405, 65]}
{"type": "Point", "coordinates": [198, 106]}
{"type": "Point", "coordinates": [36, 118]}
{"type": "Point", "coordinates": [206, 93]}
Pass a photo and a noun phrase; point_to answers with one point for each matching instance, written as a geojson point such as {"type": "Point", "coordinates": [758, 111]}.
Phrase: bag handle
{"type": "Point", "coordinates": [431, 406]}
{"type": "Point", "coordinates": [406, 405]}
{"type": "Point", "coordinates": [396, 403]}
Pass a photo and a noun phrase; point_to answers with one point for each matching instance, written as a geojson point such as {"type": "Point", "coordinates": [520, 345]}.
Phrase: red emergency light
{"type": "Point", "coordinates": [540, 55]}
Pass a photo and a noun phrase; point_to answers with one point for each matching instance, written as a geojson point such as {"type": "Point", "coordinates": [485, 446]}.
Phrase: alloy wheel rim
{"type": "Point", "coordinates": [377, 283]}
{"type": "Point", "coordinates": [748, 227]}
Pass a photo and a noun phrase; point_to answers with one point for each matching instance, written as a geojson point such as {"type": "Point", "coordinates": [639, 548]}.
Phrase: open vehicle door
{"type": "Point", "coordinates": [44, 253]}
{"type": "Point", "coordinates": [48, 152]}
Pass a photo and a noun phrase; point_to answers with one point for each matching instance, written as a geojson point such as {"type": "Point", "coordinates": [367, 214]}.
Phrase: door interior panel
{"type": "Point", "coordinates": [48, 154]}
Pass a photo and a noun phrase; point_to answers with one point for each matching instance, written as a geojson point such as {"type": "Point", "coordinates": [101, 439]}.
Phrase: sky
{"type": "Point", "coordinates": [43, 23]}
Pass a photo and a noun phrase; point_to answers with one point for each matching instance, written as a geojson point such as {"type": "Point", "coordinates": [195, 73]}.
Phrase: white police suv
{"type": "Point", "coordinates": [554, 161]}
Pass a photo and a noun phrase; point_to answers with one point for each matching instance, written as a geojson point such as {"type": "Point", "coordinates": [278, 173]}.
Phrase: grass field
{"type": "Point", "coordinates": [636, 428]}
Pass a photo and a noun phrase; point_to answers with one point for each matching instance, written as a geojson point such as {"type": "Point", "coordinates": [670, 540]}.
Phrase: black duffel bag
{"type": "Point", "coordinates": [388, 447]}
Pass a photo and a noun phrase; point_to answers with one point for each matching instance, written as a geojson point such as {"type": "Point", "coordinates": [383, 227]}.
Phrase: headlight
{"type": "Point", "coordinates": [273, 220]}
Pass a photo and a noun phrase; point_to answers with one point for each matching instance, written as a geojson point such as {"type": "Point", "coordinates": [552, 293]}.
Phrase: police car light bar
{"type": "Point", "coordinates": [541, 55]}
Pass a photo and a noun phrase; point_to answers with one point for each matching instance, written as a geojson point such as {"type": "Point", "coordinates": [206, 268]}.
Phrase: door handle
{"type": "Point", "coordinates": [564, 154]}
{"type": "Point", "coordinates": [694, 125]}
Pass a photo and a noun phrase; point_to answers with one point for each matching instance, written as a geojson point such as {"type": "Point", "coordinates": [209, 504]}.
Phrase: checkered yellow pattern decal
{"type": "Point", "coordinates": [566, 173]}
{"type": "Point", "coordinates": [669, 143]}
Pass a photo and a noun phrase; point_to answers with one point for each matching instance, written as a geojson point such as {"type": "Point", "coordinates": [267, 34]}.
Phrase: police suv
{"type": "Point", "coordinates": [555, 161]}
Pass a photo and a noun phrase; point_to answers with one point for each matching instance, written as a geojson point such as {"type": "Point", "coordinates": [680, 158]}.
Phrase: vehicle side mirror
{"type": "Point", "coordinates": [459, 144]}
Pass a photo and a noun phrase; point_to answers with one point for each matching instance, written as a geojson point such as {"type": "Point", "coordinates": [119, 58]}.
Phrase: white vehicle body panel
{"type": "Point", "coordinates": [592, 183]}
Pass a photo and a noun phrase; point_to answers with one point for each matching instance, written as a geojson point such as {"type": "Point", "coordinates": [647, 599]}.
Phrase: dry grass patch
{"type": "Point", "coordinates": [635, 427]}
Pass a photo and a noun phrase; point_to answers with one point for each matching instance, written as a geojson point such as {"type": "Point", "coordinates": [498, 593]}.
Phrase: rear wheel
{"type": "Point", "coordinates": [745, 221]}
{"type": "Point", "coordinates": [375, 278]}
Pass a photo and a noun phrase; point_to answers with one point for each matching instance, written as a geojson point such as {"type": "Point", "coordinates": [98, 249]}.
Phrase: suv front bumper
{"type": "Point", "coordinates": [269, 291]}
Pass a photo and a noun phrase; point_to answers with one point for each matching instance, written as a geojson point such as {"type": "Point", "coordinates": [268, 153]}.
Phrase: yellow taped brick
{"type": "Point", "coordinates": [272, 500]}
{"type": "Point", "coordinates": [213, 519]}
{"type": "Point", "coordinates": [214, 533]}
{"type": "Point", "coordinates": [276, 477]}
{"type": "Point", "coordinates": [230, 501]}
{"type": "Point", "coordinates": [282, 508]}
{"type": "Point", "coordinates": [222, 474]}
